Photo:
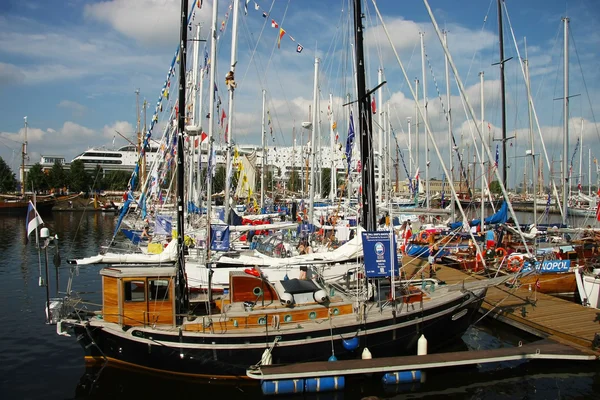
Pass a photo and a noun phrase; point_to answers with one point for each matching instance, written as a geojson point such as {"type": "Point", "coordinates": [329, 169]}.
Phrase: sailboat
{"type": "Point", "coordinates": [148, 321]}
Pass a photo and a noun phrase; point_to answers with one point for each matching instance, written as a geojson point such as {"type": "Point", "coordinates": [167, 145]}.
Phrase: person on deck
{"type": "Point", "coordinates": [490, 239]}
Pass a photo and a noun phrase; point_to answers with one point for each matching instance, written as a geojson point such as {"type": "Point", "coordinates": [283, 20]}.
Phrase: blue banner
{"type": "Point", "coordinates": [379, 254]}
{"type": "Point", "coordinates": [163, 225]}
{"type": "Point", "coordinates": [219, 237]}
{"type": "Point", "coordinates": [550, 266]}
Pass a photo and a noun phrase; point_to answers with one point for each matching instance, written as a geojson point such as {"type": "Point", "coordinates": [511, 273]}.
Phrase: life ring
{"type": "Point", "coordinates": [423, 236]}
{"type": "Point", "coordinates": [501, 252]}
{"type": "Point", "coordinates": [515, 263]}
{"type": "Point", "coordinates": [252, 271]}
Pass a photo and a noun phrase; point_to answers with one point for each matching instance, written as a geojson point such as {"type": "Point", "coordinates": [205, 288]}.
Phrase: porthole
{"type": "Point", "coordinates": [312, 315]}
{"type": "Point", "coordinates": [257, 291]}
{"type": "Point", "coordinates": [336, 311]}
{"type": "Point", "coordinates": [262, 321]}
{"type": "Point", "coordinates": [287, 318]}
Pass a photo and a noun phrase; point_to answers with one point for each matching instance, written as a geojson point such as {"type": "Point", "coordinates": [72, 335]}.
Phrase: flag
{"type": "Point", "coordinates": [281, 33]}
{"type": "Point", "coordinates": [359, 166]}
{"type": "Point", "coordinates": [299, 48]}
{"type": "Point", "coordinates": [33, 220]}
{"type": "Point", "coordinates": [373, 106]}
{"type": "Point", "coordinates": [246, 7]}
{"type": "Point", "coordinates": [199, 5]}
{"type": "Point", "coordinates": [598, 209]}
{"type": "Point", "coordinates": [274, 24]}
{"type": "Point", "coordinates": [538, 285]}
{"type": "Point", "coordinates": [265, 15]}
{"type": "Point", "coordinates": [203, 136]}
{"type": "Point", "coordinates": [256, 7]}
{"type": "Point", "coordinates": [163, 225]}
{"type": "Point", "coordinates": [497, 156]}
{"type": "Point", "coordinates": [223, 116]}
{"type": "Point", "coordinates": [350, 141]}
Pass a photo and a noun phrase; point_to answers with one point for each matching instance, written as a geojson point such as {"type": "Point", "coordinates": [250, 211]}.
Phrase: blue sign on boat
{"type": "Point", "coordinates": [219, 237]}
{"type": "Point", "coordinates": [379, 254]}
{"type": "Point", "coordinates": [555, 266]}
{"type": "Point", "coordinates": [549, 266]}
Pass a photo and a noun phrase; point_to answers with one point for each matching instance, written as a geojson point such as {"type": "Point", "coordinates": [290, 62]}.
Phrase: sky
{"type": "Point", "coordinates": [73, 67]}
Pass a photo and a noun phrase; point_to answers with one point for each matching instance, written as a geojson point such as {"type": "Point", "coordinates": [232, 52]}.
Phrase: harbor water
{"type": "Point", "coordinates": [36, 363]}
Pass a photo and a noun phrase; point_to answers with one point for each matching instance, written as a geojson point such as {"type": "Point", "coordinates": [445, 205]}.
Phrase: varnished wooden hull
{"type": "Point", "coordinates": [551, 283]}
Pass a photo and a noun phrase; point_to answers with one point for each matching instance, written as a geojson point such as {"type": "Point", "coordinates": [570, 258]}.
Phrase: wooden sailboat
{"type": "Point", "coordinates": [147, 320]}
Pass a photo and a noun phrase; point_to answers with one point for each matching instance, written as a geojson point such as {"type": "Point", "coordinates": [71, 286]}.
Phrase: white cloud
{"type": "Point", "coordinates": [10, 74]}
{"type": "Point", "coordinates": [123, 127]}
{"type": "Point", "coordinates": [147, 21]}
{"type": "Point", "coordinates": [76, 108]}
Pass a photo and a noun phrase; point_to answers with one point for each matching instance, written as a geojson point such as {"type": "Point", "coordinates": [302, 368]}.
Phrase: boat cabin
{"type": "Point", "coordinates": [138, 296]}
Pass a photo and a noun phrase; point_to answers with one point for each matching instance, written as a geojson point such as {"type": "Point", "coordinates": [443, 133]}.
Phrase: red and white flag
{"type": "Point", "coordinates": [598, 209]}
{"type": "Point", "coordinates": [33, 220]}
{"type": "Point", "coordinates": [274, 24]}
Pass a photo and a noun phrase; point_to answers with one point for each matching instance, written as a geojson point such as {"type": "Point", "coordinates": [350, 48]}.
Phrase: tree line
{"type": "Point", "coordinates": [74, 179]}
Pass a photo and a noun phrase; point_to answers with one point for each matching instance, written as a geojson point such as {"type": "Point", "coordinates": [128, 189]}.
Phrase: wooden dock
{"type": "Point", "coordinates": [543, 315]}
{"type": "Point", "coordinates": [545, 349]}
{"type": "Point", "coordinates": [568, 331]}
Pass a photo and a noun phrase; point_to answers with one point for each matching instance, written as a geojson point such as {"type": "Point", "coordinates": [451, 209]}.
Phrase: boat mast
{"type": "Point", "coordinates": [311, 209]}
{"type": "Point", "coordinates": [579, 186]}
{"type": "Point", "coordinates": [263, 160]}
{"type": "Point", "coordinates": [333, 171]}
{"type": "Point", "coordinates": [482, 221]}
{"type": "Point", "coordinates": [532, 151]}
{"type": "Point", "coordinates": [425, 101]}
{"type": "Point", "coordinates": [229, 129]}
{"type": "Point", "coordinates": [23, 157]}
{"type": "Point", "coordinates": [181, 299]}
{"type": "Point", "coordinates": [449, 113]}
{"type": "Point", "coordinates": [364, 127]}
{"type": "Point", "coordinates": [502, 93]}
{"type": "Point", "coordinates": [565, 121]}
{"type": "Point", "coordinates": [380, 137]}
{"type": "Point", "coordinates": [211, 115]}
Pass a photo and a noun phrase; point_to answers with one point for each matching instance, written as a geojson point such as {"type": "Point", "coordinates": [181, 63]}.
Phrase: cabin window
{"type": "Point", "coordinates": [135, 291]}
{"type": "Point", "coordinates": [158, 289]}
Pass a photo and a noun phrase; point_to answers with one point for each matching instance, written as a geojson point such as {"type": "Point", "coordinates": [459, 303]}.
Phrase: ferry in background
{"type": "Point", "coordinates": [122, 159]}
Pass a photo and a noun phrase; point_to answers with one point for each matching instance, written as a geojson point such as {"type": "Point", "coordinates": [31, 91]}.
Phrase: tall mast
{"type": "Point", "coordinates": [364, 127]}
{"type": "Point", "coordinates": [263, 161]}
{"type": "Point", "coordinates": [531, 141]}
{"type": "Point", "coordinates": [333, 171]}
{"type": "Point", "coordinates": [424, 72]}
{"type": "Point", "coordinates": [449, 113]}
{"type": "Point", "coordinates": [380, 137]}
{"type": "Point", "coordinates": [482, 221]}
{"type": "Point", "coordinates": [580, 180]}
{"type": "Point", "coordinates": [311, 209]}
{"type": "Point", "coordinates": [229, 129]}
{"type": "Point", "coordinates": [212, 117]}
{"type": "Point", "coordinates": [502, 93]}
{"type": "Point", "coordinates": [416, 124]}
{"type": "Point", "coordinates": [23, 157]}
{"type": "Point", "coordinates": [181, 299]}
{"type": "Point", "coordinates": [565, 121]}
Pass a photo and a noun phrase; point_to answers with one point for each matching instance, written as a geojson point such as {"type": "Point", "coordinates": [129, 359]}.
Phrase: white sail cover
{"type": "Point", "coordinates": [349, 251]}
{"type": "Point", "coordinates": [168, 255]}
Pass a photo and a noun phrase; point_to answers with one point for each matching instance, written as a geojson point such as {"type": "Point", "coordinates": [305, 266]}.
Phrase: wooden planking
{"type": "Point", "coordinates": [110, 299]}
{"type": "Point", "coordinates": [544, 349]}
{"type": "Point", "coordinates": [251, 320]}
{"type": "Point", "coordinates": [546, 314]}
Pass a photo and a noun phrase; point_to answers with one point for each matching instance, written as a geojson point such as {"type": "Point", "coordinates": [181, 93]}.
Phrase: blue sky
{"type": "Point", "coordinates": [72, 67]}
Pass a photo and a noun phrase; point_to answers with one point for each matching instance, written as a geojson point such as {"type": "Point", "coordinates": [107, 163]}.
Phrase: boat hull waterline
{"type": "Point", "coordinates": [224, 355]}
